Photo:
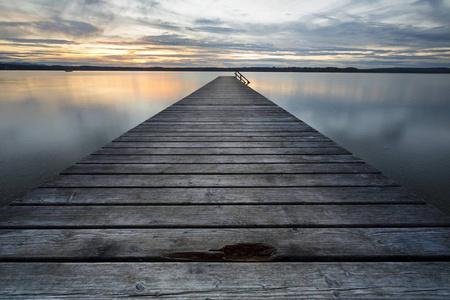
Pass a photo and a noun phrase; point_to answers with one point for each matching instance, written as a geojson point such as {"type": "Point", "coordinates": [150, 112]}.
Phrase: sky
{"type": "Point", "coordinates": [230, 33]}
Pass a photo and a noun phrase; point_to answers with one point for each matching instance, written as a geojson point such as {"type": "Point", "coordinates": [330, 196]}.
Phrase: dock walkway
{"type": "Point", "coordinates": [223, 195]}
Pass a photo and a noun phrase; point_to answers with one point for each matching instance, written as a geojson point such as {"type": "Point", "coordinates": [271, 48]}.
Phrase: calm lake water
{"type": "Point", "coordinates": [399, 123]}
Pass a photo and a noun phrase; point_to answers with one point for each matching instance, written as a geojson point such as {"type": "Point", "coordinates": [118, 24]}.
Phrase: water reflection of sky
{"type": "Point", "coordinates": [50, 120]}
{"type": "Point", "coordinates": [397, 122]}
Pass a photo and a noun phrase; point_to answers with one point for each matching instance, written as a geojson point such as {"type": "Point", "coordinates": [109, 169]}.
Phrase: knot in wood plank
{"type": "Point", "coordinates": [249, 252]}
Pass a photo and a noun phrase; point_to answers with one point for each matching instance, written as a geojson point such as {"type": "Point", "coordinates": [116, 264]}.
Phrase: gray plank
{"type": "Point", "coordinates": [225, 101]}
{"type": "Point", "coordinates": [241, 145]}
{"type": "Point", "coordinates": [151, 122]}
{"type": "Point", "coordinates": [168, 196]}
{"type": "Point", "coordinates": [143, 138]}
{"type": "Point", "coordinates": [224, 134]}
{"type": "Point", "coordinates": [217, 126]}
{"type": "Point", "coordinates": [218, 168]}
{"type": "Point", "coordinates": [222, 119]}
{"type": "Point", "coordinates": [231, 113]}
{"type": "Point", "coordinates": [234, 102]}
{"type": "Point", "coordinates": [216, 216]}
{"type": "Point", "coordinates": [197, 108]}
{"type": "Point", "coordinates": [224, 96]}
{"type": "Point", "coordinates": [219, 151]}
{"type": "Point", "coordinates": [394, 280]}
{"type": "Point", "coordinates": [222, 159]}
{"type": "Point", "coordinates": [302, 244]}
{"type": "Point", "coordinates": [230, 122]}
{"type": "Point", "coordinates": [235, 180]}
{"type": "Point", "coordinates": [282, 120]}
{"type": "Point", "coordinates": [155, 123]}
{"type": "Point", "coordinates": [228, 118]}
{"type": "Point", "coordinates": [221, 129]}
{"type": "Point", "coordinates": [276, 118]}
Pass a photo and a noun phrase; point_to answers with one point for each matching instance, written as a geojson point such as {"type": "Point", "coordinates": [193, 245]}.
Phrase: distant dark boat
{"type": "Point", "coordinates": [68, 70]}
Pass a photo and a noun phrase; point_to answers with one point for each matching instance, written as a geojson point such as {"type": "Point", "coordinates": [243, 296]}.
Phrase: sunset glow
{"type": "Point", "coordinates": [142, 33]}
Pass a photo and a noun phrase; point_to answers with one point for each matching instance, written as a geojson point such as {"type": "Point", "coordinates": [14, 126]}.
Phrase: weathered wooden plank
{"type": "Point", "coordinates": [225, 95]}
{"type": "Point", "coordinates": [229, 101]}
{"type": "Point", "coordinates": [224, 90]}
{"type": "Point", "coordinates": [241, 145]}
{"type": "Point", "coordinates": [215, 104]}
{"type": "Point", "coordinates": [276, 118]}
{"type": "Point", "coordinates": [234, 180]}
{"type": "Point", "coordinates": [220, 130]}
{"type": "Point", "coordinates": [231, 113]}
{"type": "Point", "coordinates": [222, 134]}
{"type": "Point", "coordinates": [221, 119]}
{"type": "Point", "coordinates": [302, 280]}
{"type": "Point", "coordinates": [197, 108]}
{"type": "Point", "coordinates": [225, 117]}
{"type": "Point", "coordinates": [262, 122]}
{"type": "Point", "coordinates": [223, 196]}
{"type": "Point", "coordinates": [221, 159]}
{"type": "Point", "coordinates": [216, 216]}
{"type": "Point", "coordinates": [222, 95]}
{"type": "Point", "coordinates": [218, 169]}
{"type": "Point", "coordinates": [220, 151]}
{"type": "Point", "coordinates": [282, 120]}
{"type": "Point", "coordinates": [222, 123]}
{"type": "Point", "coordinates": [230, 127]}
{"type": "Point", "coordinates": [302, 244]}
{"type": "Point", "coordinates": [144, 138]}
{"type": "Point", "coordinates": [233, 102]}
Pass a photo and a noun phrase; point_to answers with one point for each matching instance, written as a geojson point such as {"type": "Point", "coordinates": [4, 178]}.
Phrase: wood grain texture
{"type": "Point", "coordinates": [221, 216]}
{"type": "Point", "coordinates": [381, 280]}
{"type": "Point", "coordinates": [176, 107]}
{"type": "Point", "coordinates": [222, 196]}
{"type": "Point", "coordinates": [143, 138]}
{"type": "Point", "coordinates": [221, 134]}
{"type": "Point", "coordinates": [219, 169]}
{"type": "Point", "coordinates": [218, 159]}
{"type": "Point", "coordinates": [221, 125]}
{"type": "Point", "coordinates": [220, 151]}
{"type": "Point", "coordinates": [242, 145]}
{"type": "Point", "coordinates": [218, 130]}
{"type": "Point", "coordinates": [300, 244]}
{"type": "Point", "coordinates": [233, 180]}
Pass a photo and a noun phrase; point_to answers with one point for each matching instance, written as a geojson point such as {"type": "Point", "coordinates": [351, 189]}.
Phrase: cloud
{"type": "Point", "coordinates": [171, 40]}
{"type": "Point", "coordinates": [39, 41]}
{"type": "Point", "coordinates": [54, 25]}
{"type": "Point", "coordinates": [203, 21]}
{"type": "Point", "coordinates": [353, 33]}
{"type": "Point", "coordinates": [68, 27]}
{"type": "Point", "coordinates": [215, 29]}
{"type": "Point", "coordinates": [94, 2]}
{"type": "Point", "coordinates": [436, 10]}
{"type": "Point", "coordinates": [182, 40]}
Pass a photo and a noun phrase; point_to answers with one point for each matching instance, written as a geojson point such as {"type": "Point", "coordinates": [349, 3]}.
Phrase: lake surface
{"type": "Point", "coordinates": [399, 123]}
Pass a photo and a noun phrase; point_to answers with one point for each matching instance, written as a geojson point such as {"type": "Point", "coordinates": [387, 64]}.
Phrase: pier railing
{"type": "Point", "coordinates": [241, 77]}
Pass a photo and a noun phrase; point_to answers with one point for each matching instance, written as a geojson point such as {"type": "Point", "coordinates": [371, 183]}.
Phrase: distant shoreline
{"type": "Point", "coordinates": [33, 67]}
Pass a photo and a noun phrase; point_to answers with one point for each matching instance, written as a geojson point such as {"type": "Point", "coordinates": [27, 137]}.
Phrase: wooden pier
{"type": "Point", "coordinates": [223, 195]}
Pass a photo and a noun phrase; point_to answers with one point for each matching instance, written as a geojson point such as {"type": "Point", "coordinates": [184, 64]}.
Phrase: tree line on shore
{"type": "Point", "coordinates": [37, 67]}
